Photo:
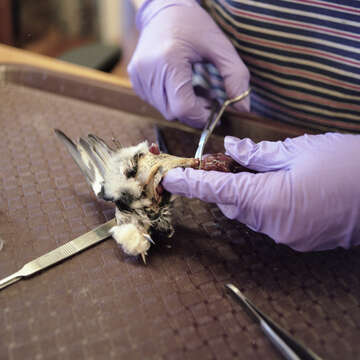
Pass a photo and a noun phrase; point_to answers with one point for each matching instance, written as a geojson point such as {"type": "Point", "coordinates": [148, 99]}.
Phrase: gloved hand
{"type": "Point", "coordinates": [174, 34]}
{"type": "Point", "coordinates": [306, 193]}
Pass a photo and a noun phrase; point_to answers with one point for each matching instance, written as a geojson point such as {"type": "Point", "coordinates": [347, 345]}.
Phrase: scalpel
{"type": "Point", "coordinates": [71, 248]}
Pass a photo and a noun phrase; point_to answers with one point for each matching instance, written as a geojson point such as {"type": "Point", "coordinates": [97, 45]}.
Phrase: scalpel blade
{"type": "Point", "coordinates": [65, 251]}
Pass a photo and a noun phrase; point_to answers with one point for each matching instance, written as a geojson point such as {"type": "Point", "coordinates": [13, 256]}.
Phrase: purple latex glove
{"type": "Point", "coordinates": [173, 36]}
{"type": "Point", "coordinates": [306, 194]}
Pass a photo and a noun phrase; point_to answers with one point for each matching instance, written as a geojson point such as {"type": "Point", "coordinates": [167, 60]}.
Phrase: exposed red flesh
{"type": "Point", "coordinates": [154, 149]}
{"type": "Point", "coordinates": [221, 162]}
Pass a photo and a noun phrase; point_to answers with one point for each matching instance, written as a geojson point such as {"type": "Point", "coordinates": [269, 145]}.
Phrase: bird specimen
{"type": "Point", "coordinates": [131, 178]}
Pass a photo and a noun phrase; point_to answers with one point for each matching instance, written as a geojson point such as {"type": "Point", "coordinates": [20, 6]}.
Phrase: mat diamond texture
{"type": "Point", "coordinates": [101, 304]}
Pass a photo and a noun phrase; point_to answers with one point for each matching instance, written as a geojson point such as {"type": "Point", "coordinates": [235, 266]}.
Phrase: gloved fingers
{"type": "Point", "coordinates": [234, 72]}
{"type": "Point", "coordinates": [262, 156]}
{"type": "Point", "coordinates": [198, 115]}
{"type": "Point", "coordinates": [149, 9]}
{"type": "Point", "coordinates": [169, 89]}
{"type": "Point", "coordinates": [256, 200]}
{"type": "Point", "coordinates": [242, 105]}
{"type": "Point", "coordinates": [252, 199]}
{"type": "Point", "coordinates": [209, 186]}
{"type": "Point", "coordinates": [210, 84]}
{"type": "Point", "coordinates": [183, 103]}
{"type": "Point", "coordinates": [135, 80]}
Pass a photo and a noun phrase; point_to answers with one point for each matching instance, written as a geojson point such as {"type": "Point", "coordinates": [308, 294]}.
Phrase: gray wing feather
{"type": "Point", "coordinates": [101, 148]}
{"type": "Point", "coordinates": [89, 163]}
{"type": "Point", "coordinates": [98, 161]}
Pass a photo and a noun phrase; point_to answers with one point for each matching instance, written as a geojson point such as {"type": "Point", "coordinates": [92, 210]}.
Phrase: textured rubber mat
{"type": "Point", "coordinates": [103, 305]}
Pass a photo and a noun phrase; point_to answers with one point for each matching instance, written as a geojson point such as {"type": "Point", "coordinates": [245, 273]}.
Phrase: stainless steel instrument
{"type": "Point", "coordinates": [69, 249]}
{"type": "Point", "coordinates": [160, 140]}
{"type": "Point", "coordinates": [289, 347]}
{"type": "Point", "coordinates": [213, 120]}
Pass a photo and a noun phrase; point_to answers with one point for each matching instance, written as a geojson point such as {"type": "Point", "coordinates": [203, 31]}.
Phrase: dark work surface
{"type": "Point", "coordinates": [103, 305]}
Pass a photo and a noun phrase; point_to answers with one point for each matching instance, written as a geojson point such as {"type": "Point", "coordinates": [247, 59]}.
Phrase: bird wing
{"type": "Point", "coordinates": [92, 156]}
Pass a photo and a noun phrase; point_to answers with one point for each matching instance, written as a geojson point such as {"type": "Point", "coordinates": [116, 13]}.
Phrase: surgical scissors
{"type": "Point", "coordinates": [214, 119]}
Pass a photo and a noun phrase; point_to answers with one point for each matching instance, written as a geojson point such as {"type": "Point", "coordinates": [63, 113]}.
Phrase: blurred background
{"type": "Point", "coordinates": [89, 32]}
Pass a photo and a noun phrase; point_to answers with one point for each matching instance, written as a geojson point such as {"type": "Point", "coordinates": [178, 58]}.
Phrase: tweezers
{"type": "Point", "coordinates": [213, 119]}
{"type": "Point", "coordinates": [290, 348]}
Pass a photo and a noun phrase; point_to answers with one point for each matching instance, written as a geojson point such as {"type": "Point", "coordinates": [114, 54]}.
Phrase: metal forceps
{"type": "Point", "coordinates": [290, 348]}
{"type": "Point", "coordinates": [213, 120]}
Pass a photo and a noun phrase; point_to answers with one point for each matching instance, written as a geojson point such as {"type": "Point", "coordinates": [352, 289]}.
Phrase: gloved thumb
{"type": "Point", "coordinates": [249, 198]}
{"type": "Point", "coordinates": [209, 186]}
{"type": "Point", "coordinates": [263, 156]}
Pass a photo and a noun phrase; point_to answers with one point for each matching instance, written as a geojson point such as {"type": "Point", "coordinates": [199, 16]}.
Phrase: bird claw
{"type": "Point", "coordinates": [143, 256]}
{"type": "Point", "coordinates": [148, 238]}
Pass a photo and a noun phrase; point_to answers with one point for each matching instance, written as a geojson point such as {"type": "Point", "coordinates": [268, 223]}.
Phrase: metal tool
{"type": "Point", "coordinates": [160, 140]}
{"type": "Point", "coordinates": [290, 348]}
{"type": "Point", "coordinates": [71, 248]}
{"type": "Point", "coordinates": [214, 119]}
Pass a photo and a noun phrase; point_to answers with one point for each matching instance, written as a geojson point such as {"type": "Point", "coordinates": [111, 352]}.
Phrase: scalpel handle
{"type": "Point", "coordinates": [62, 252]}
{"type": "Point", "coordinates": [10, 280]}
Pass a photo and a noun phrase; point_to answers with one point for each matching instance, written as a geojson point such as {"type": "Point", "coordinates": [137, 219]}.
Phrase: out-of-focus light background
{"type": "Point", "coordinates": [58, 27]}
